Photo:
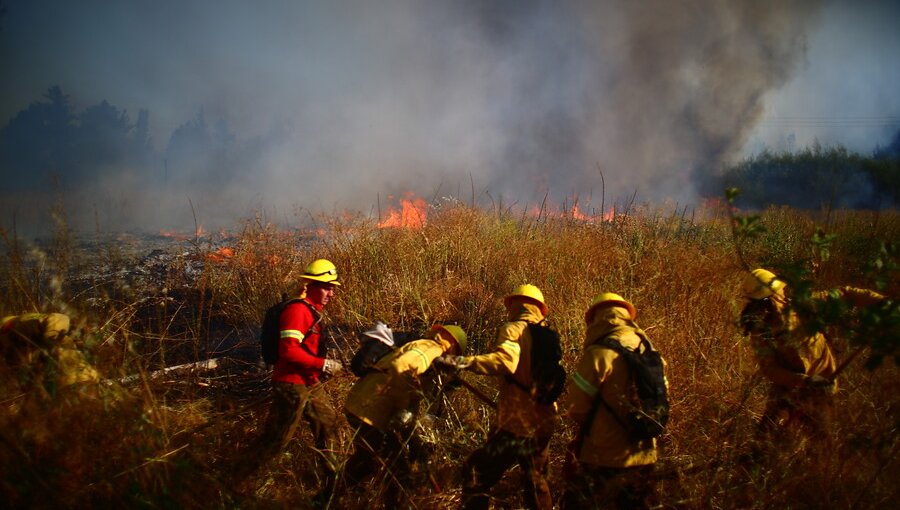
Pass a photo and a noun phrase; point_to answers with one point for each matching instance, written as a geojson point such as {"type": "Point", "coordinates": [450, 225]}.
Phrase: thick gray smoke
{"type": "Point", "coordinates": [330, 105]}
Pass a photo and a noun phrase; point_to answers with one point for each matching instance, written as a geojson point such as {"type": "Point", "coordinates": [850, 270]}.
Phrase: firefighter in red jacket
{"type": "Point", "coordinates": [296, 389]}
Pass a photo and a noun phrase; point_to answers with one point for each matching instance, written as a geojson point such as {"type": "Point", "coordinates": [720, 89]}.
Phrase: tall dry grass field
{"type": "Point", "coordinates": [173, 440]}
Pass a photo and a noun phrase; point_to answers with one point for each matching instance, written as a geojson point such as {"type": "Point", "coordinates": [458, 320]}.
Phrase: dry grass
{"type": "Point", "coordinates": [172, 445]}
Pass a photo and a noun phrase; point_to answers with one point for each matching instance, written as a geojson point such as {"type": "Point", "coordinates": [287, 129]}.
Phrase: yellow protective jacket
{"type": "Point", "coordinates": [602, 371]}
{"type": "Point", "coordinates": [517, 412]}
{"type": "Point", "coordinates": [788, 356]}
{"type": "Point", "coordinates": [391, 385]}
{"type": "Point", "coordinates": [23, 337]}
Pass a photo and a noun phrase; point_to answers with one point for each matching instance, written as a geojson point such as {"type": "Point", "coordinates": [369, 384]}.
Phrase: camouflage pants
{"type": "Point", "coordinates": [503, 450]}
{"type": "Point", "coordinates": [290, 404]}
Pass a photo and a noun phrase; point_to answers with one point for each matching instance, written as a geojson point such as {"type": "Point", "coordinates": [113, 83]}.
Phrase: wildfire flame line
{"type": "Point", "coordinates": [411, 214]}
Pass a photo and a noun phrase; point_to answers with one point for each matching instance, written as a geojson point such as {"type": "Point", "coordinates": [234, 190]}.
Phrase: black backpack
{"type": "Point", "coordinates": [270, 332]}
{"type": "Point", "coordinates": [368, 355]}
{"type": "Point", "coordinates": [646, 365]}
{"type": "Point", "coordinates": [547, 375]}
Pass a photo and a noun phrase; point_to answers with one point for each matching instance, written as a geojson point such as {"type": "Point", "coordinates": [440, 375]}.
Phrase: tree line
{"type": "Point", "coordinates": [818, 177]}
{"type": "Point", "coordinates": [51, 143]}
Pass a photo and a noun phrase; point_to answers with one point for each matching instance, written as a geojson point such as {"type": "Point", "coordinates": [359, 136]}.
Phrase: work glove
{"type": "Point", "coordinates": [457, 362]}
{"type": "Point", "coordinates": [817, 381]}
{"type": "Point", "coordinates": [331, 367]}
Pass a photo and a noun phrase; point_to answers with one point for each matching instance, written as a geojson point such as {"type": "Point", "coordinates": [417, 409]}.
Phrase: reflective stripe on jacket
{"type": "Point", "coordinates": [296, 363]}
{"type": "Point", "coordinates": [601, 371]}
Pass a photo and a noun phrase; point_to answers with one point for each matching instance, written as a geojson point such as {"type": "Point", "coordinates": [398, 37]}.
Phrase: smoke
{"type": "Point", "coordinates": [333, 105]}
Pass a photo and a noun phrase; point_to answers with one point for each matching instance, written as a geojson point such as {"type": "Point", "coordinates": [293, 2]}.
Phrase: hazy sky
{"type": "Point", "coordinates": [519, 97]}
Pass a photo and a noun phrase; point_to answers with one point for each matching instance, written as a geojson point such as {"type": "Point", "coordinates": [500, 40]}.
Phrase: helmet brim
{"type": "Point", "coordinates": [461, 347]}
{"type": "Point", "coordinates": [589, 315]}
{"type": "Point", "coordinates": [528, 299]}
{"type": "Point", "coordinates": [320, 279]}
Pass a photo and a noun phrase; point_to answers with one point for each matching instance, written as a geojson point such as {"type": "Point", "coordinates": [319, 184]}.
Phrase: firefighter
{"type": "Point", "coordinates": [40, 354]}
{"type": "Point", "coordinates": [296, 388]}
{"type": "Point", "coordinates": [381, 408]}
{"type": "Point", "coordinates": [603, 463]}
{"type": "Point", "coordinates": [800, 367]}
{"type": "Point", "coordinates": [522, 430]}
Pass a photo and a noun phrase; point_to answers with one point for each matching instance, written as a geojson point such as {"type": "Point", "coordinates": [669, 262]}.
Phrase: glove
{"type": "Point", "coordinates": [457, 362]}
{"type": "Point", "coordinates": [331, 367]}
{"type": "Point", "coordinates": [817, 381]}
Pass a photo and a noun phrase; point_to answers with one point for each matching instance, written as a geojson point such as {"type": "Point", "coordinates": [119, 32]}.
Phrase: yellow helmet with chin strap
{"type": "Point", "coordinates": [761, 283]}
{"type": "Point", "coordinates": [530, 293]}
{"type": "Point", "coordinates": [608, 299]}
{"type": "Point", "coordinates": [321, 270]}
{"type": "Point", "coordinates": [459, 336]}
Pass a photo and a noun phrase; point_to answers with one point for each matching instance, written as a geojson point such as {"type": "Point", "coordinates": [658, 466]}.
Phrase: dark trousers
{"type": "Point", "coordinates": [593, 487]}
{"type": "Point", "coordinates": [808, 411]}
{"type": "Point", "coordinates": [379, 453]}
{"type": "Point", "coordinates": [290, 404]}
{"type": "Point", "coordinates": [503, 450]}
{"type": "Point", "coordinates": [796, 422]}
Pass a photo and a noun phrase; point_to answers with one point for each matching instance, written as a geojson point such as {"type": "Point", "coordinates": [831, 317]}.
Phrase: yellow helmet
{"type": "Point", "coordinates": [456, 332]}
{"type": "Point", "coordinates": [608, 299]}
{"type": "Point", "coordinates": [530, 293]}
{"type": "Point", "coordinates": [761, 283]}
{"type": "Point", "coordinates": [321, 270]}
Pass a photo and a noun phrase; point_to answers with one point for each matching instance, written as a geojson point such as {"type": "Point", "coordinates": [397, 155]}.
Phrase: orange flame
{"type": "Point", "coordinates": [221, 255]}
{"type": "Point", "coordinates": [572, 212]}
{"type": "Point", "coordinates": [226, 254]}
{"type": "Point", "coordinates": [412, 214]}
{"type": "Point", "coordinates": [578, 215]}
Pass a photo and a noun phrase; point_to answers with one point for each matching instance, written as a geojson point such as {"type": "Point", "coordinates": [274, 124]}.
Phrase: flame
{"type": "Point", "coordinates": [609, 215]}
{"type": "Point", "coordinates": [183, 236]}
{"type": "Point", "coordinates": [573, 212]}
{"type": "Point", "coordinates": [411, 214]}
{"type": "Point", "coordinates": [578, 215]}
{"type": "Point", "coordinates": [226, 254]}
{"type": "Point", "coordinates": [221, 255]}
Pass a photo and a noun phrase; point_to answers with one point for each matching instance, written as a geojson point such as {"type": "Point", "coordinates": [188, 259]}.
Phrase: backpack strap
{"type": "Point", "coordinates": [607, 343]}
{"type": "Point", "coordinates": [509, 378]}
{"type": "Point", "coordinates": [317, 319]}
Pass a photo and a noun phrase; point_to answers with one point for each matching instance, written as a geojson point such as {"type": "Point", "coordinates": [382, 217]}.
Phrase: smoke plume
{"type": "Point", "coordinates": [333, 105]}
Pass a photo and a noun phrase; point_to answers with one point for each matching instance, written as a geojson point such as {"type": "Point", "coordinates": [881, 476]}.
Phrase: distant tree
{"type": "Point", "coordinates": [813, 178]}
{"type": "Point", "coordinates": [892, 150]}
{"type": "Point", "coordinates": [102, 139]}
{"type": "Point", "coordinates": [49, 141]}
{"type": "Point", "coordinates": [197, 152]}
{"type": "Point", "coordinates": [38, 142]}
{"type": "Point", "coordinates": [141, 147]}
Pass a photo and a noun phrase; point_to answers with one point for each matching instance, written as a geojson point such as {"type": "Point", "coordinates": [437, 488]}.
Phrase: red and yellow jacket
{"type": "Point", "coordinates": [300, 331]}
